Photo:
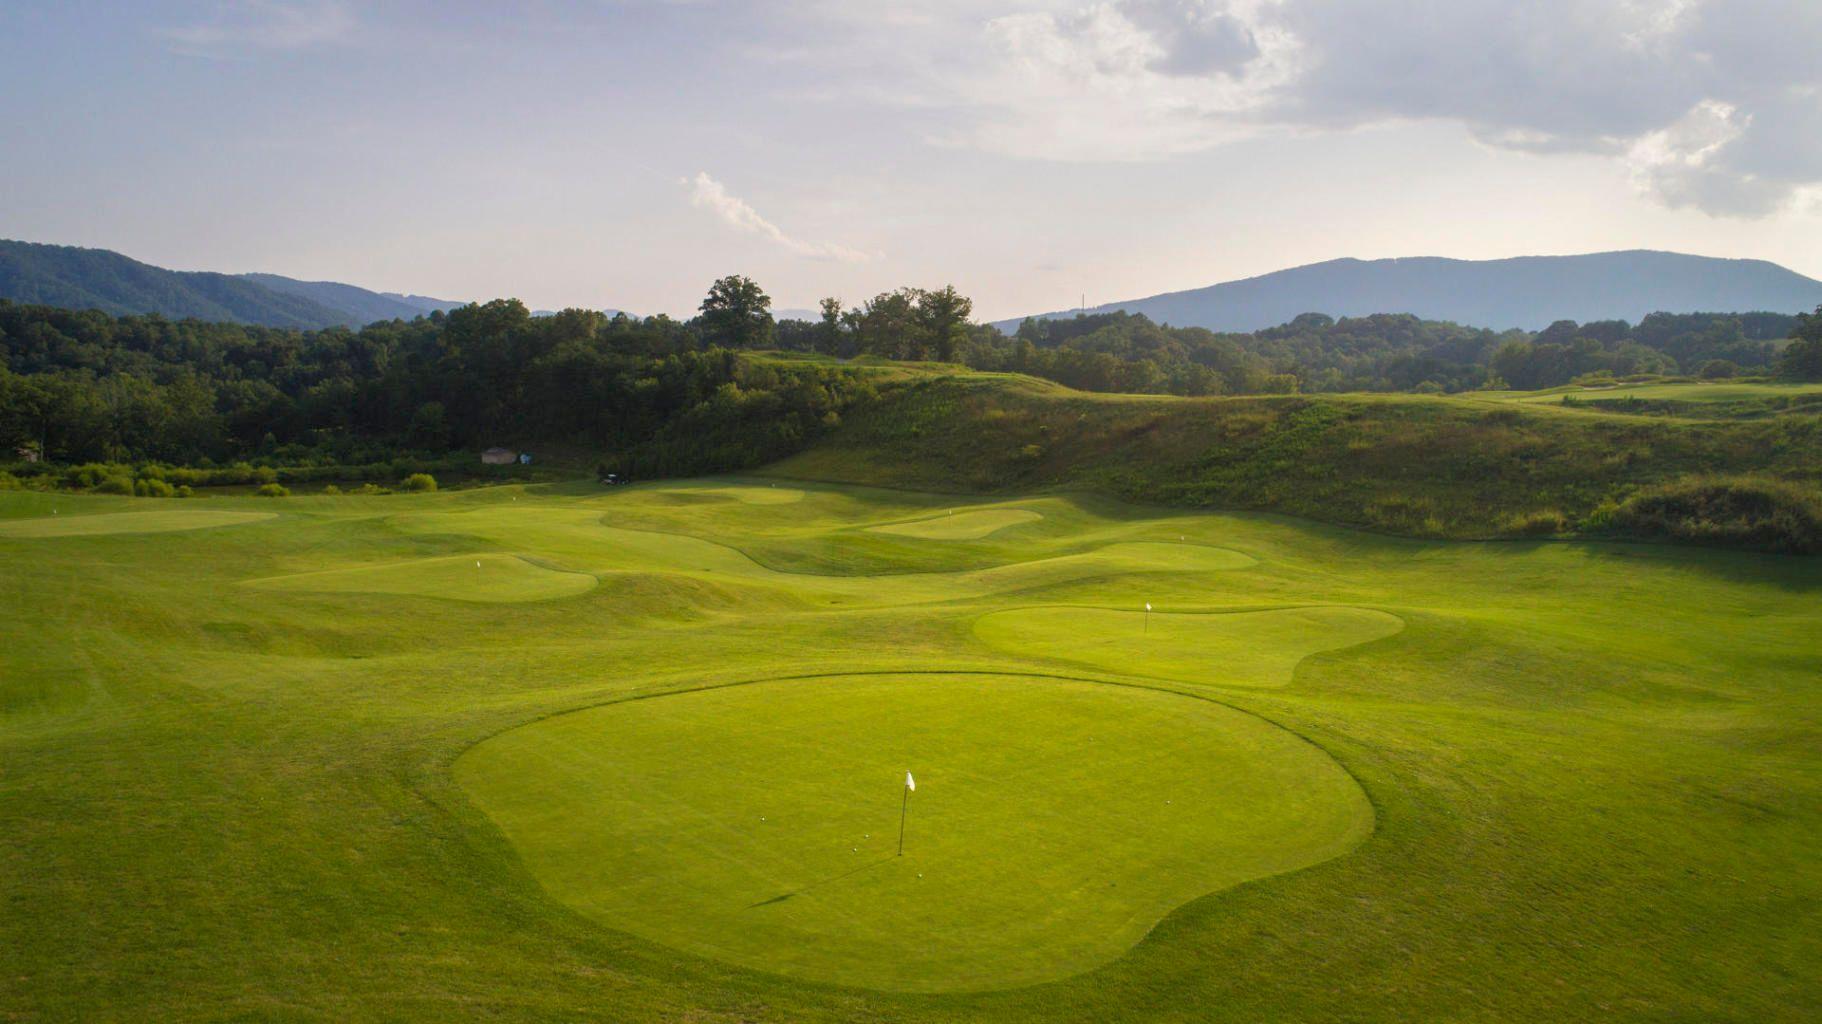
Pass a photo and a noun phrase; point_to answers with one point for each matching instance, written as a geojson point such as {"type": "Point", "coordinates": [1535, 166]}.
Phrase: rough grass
{"type": "Point", "coordinates": [1408, 464]}
{"type": "Point", "coordinates": [1749, 512]}
{"type": "Point", "coordinates": [1594, 767]}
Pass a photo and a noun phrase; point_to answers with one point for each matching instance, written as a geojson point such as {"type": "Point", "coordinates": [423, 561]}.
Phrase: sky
{"type": "Point", "coordinates": [625, 153]}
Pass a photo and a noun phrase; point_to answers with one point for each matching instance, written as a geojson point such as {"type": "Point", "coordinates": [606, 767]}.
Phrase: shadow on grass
{"type": "Point", "coordinates": [851, 872]}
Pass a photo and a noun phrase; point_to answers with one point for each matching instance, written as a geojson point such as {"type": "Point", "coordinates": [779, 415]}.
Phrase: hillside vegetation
{"type": "Point", "coordinates": [1412, 464]}
{"type": "Point", "coordinates": [657, 397]}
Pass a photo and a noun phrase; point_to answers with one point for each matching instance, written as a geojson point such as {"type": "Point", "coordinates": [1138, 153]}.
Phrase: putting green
{"type": "Point", "coordinates": [1055, 822]}
{"type": "Point", "coordinates": [486, 578]}
{"type": "Point", "coordinates": [163, 521]}
{"type": "Point", "coordinates": [1231, 649]}
{"type": "Point", "coordinates": [966, 526]}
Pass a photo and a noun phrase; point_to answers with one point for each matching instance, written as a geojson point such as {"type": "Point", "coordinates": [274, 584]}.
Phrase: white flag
{"type": "Point", "coordinates": [910, 783]}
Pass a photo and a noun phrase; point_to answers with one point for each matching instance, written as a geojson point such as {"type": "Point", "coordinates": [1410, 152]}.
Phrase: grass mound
{"type": "Point", "coordinates": [754, 495]}
{"type": "Point", "coordinates": [966, 526]}
{"type": "Point", "coordinates": [1417, 465]}
{"type": "Point", "coordinates": [1748, 512]}
{"type": "Point", "coordinates": [758, 824]}
{"type": "Point", "coordinates": [162, 521]}
{"type": "Point", "coordinates": [483, 578]}
{"type": "Point", "coordinates": [1230, 649]}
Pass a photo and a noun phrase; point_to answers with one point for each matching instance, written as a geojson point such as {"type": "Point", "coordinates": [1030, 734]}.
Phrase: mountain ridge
{"type": "Point", "coordinates": [1527, 292]}
{"type": "Point", "coordinates": [74, 277]}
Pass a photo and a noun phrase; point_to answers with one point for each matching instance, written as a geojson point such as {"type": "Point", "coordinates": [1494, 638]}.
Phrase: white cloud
{"type": "Point", "coordinates": [708, 194]}
{"type": "Point", "coordinates": [1644, 82]}
{"type": "Point", "coordinates": [239, 26]}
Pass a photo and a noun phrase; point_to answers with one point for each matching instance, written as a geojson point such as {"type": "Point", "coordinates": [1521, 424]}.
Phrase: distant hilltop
{"type": "Point", "coordinates": [1528, 292]}
{"type": "Point", "coordinates": [74, 278]}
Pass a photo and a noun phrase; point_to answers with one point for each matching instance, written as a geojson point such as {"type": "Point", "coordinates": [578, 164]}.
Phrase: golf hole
{"type": "Point", "coordinates": [1029, 854]}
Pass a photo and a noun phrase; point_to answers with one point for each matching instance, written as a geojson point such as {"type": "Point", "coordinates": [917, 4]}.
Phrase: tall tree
{"type": "Point", "coordinates": [737, 313]}
{"type": "Point", "coordinates": [1802, 359]}
{"type": "Point", "coordinates": [828, 333]}
{"type": "Point", "coordinates": [945, 314]}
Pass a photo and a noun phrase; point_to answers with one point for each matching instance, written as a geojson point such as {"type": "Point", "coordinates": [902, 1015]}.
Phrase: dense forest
{"type": "Point", "coordinates": [84, 386]}
{"type": "Point", "coordinates": [662, 396]}
{"type": "Point", "coordinates": [1124, 352]}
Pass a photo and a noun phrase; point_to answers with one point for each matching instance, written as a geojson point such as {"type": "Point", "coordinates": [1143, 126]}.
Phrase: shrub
{"type": "Point", "coordinates": [331, 489]}
{"type": "Point", "coordinates": [372, 488]}
{"type": "Point", "coordinates": [1749, 512]}
{"type": "Point", "coordinates": [115, 485]}
{"type": "Point", "coordinates": [418, 482]}
{"type": "Point", "coordinates": [1545, 523]}
{"type": "Point", "coordinates": [8, 482]}
{"type": "Point", "coordinates": [183, 491]}
{"type": "Point", "coordinates": [1719, 369]}
{"type": "Point", "coordinates": [153, 488]}
{"type": "Point", "coordinates": [273, 491]}
{"type": "Point", "coordinates": [88, 475]}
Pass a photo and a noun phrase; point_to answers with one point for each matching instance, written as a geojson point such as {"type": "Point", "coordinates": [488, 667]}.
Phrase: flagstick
{"type": "Point", "coordinates": [904, 807]}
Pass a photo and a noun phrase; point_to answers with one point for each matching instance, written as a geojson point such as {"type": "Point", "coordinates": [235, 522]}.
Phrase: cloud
{"type": "Point", "coordinates": [1711, 104]}
{"type": "Point", "coordinates": [239, 26]}
{"type": "Point", "coordinates": [708, 194]}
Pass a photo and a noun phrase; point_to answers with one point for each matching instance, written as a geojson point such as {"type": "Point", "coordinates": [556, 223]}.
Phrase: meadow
{"type": "Point", "coordinates": [565, 752]}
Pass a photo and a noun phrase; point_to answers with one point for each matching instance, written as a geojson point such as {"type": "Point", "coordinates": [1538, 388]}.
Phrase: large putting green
{"type": "Point", "coordinates": [1055, 821]}
{"type": "Point", "coordinates": [485, 578]}
{"type": "Point", "coordinates": [644, 764]}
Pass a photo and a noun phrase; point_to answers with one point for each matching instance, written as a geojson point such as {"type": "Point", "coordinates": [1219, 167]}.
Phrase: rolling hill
{"type": "Point", "coordinates": [1527, 292]}
{"type": "Point", "coordinates": [76, 278]}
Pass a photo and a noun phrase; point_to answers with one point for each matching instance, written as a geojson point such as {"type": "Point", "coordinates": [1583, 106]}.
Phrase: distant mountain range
{"type": "Point", "coordinates": [73, 278]}
{"type": "Point", "coordinates": [1529, 292]}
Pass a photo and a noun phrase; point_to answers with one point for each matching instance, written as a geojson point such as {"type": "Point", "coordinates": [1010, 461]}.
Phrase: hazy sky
{"type": "Point", "coordinates": [626, 153]}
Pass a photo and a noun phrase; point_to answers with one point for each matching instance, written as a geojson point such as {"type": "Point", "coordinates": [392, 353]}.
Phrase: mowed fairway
{"type": "Point", "coordinates": [1259, 648]}
{"type": "Point", "coordinates": [301, 760]}
{"type": "Point", "coordinates": [967, 526]}
{"type": "Point", "coordinates": [161, 521]}
{"type": "Point", "coordinates": [1055, 822]}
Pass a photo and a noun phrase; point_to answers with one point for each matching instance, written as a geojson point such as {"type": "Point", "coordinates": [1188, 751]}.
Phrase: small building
{"type": "Point", "coordinates": [27, 453]}
{"type": "Point", "coordinates": [499, 456]}
{"type": "Point", "coordinates": [524, 458]}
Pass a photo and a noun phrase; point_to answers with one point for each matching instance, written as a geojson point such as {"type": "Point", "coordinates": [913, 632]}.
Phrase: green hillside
{"type": "Point", "coordinates": [1454, 466]}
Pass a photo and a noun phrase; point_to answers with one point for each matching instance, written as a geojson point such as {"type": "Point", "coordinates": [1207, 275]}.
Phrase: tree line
{"type": "Point", "coordinates": [79, 386]}
{"type": "Point", "coordinates": [670, 396]}
{"type": "Point", "coordinates": [1125, 352]}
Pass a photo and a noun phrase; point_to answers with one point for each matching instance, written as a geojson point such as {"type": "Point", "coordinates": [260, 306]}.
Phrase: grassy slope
{"type": "Point", "coordinates": [1593, 767]}
{"type": "Point", "coordinates": [1428, 466]}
